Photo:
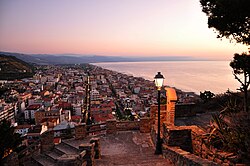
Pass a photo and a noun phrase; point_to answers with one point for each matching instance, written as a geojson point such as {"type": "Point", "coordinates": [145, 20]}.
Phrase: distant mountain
{"type": "Point", "coordinates": [71, 59]}
{"type": "Point", "coordinates": [14, 68]}
{"type": "Point", "coordinates": [26, 57]}
{"type": "Point", "coordinates": [43, 59]}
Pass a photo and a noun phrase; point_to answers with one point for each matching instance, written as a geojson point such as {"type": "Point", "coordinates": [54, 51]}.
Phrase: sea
{"type": "Point", "coordinates": [189, 76]}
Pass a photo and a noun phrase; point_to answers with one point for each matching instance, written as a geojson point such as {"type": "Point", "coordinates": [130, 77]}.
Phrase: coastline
{"type": "Point", "coordinates": [188, 76]}
{"type": "Point", "coordinates": [178, 90]}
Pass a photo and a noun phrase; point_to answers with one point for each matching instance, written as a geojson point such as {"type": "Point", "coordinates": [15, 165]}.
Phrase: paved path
{"type": "Point", "coordinates": [130, 148]}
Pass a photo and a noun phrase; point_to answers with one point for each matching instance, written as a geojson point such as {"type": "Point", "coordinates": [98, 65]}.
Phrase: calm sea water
{"type": "Point", "coordinates": [194, 76]}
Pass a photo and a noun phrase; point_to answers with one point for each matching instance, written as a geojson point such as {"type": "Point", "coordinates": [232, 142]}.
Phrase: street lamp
{"type": "Point", "coordinates": [158, 83]}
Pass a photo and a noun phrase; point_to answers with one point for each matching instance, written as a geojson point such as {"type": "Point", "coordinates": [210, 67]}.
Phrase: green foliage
{"type": "Point", "coordinates": [231, 133]}
{"type": "Point", "coordinates": [9, 140]}
{"type": "Point", "coordinates": [241, 66]}
{"type": "Point", "coordinates": [229, 129]}
{"type": "Point", "coordinates": [206, 96]}
{"type": "Point", "coordinates": [233, 105]}
{"type": "Point", "coordinates": [118, 112]}
{"type": "Point", "coordinates": [14, 68]}
{"type": "Point", "coordinates": [231, 18]}
{"type": "Point", "coordinates": [128, 115]}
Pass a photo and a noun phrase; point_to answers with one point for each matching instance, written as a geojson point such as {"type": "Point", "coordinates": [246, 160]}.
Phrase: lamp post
{"type": "Point", "coordinates": [158, 83]}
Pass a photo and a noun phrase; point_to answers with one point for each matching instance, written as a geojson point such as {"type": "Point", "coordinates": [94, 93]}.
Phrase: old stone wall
{"type": "Point", "coordinates": [97, 148]}
{"type": "Point", "coordinates": [90, 155]}
{"type": "Point", "coordinates": [185, 110]}
{"type": "Point", "coordinates": [111, 126]}
{"type": "Point", "coordinates": [190, 139]}
{"type": "Point", "coordinates": [128, 125]}
{"type": "Point", "coordinates": [154, 116]}
{"type": "Point", "coordinates": [180, 157]}
{"type": "Point", "coordinates": [177, 136]}
{"type": "Point", "coordinates": [170, 110]}
{"type": "Point", "coordinates": [145, 125]}
{"type": "Point", "coordinates": [200, 149]}
{"type": "Point", "coordinates": [47, 141]}
{"type": "Point", "coordinates": [80, 131]}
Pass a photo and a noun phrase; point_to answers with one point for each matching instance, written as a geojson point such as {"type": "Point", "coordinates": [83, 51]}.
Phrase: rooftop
{"type": "Point", "coordinates": [33, 107]}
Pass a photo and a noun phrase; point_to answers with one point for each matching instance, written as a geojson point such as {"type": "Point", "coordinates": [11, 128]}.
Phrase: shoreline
{"type": "Point", "coordinates": [178, 90]}
{"type": "Point", "coordinates": [187, 76]}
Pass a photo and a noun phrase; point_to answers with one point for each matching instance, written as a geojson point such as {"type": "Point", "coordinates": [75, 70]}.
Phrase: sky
{"type": "Point", "coordinates": [111, 27]}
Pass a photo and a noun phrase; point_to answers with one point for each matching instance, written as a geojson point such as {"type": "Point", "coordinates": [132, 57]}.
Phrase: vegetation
{"type": "Point", "coordinates": [241, 66]}
{"type": "Point", "coordinates": [118, 111]}
{"type": "Point", "coordinates": [230, 18]}
{"type": "Point", "coordinates": [229, 127]}
{"type": "Point", "coordinates": [9, 141]}
{"type": "Point", "coordinates": [128, 115]}
{"type": "Point", "coordinates": [230, 132]}
{"type": "Point", "coordinates": [13, 68]}
{"type": "Point", "coordinates": [206, 96]}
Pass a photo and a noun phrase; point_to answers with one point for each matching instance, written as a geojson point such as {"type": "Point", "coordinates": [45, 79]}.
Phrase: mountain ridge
{"type": "Point", "coordinates": [13, 68]}
{"type": "Point", "coordinates": [45, 59]}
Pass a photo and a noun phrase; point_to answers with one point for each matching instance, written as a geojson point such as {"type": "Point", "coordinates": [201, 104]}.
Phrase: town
{"type": "Point", "coordinates": [56, 98]}
{"type": "Point", "coordinates": [115, 83]}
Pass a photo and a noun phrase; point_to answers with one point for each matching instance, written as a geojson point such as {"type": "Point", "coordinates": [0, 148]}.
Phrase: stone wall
{"type": "Point", "coordinates": [185, 110]}
{"type": "Point", "coordinates": [111, 126]}
{"type": "Point", "coordinates": [177, 146]}
{"type": "Point", "coordinates": [201, 150]}
{"type": "Point", "coordinates": [127, 125]}
{"type": "Point", "coordinates": [80, 131]}
{"type": "Point", "coordinates": [145, 125]}
{"type": "Point", "coordinates": [89, 156]}
{"type": "Point", "coordinates": [154, 115]}
{"type": "Point", "coordinates": [97, 148]}
{"type": "Point", "coordinates": [190, 139]}
{"type": "Point", "coordinates": [180, 157]}
{"type": "Point", "coordinates": [47, 141]}
{"type": "Point", "coordinates": [170, 110]}
{"type": "Point", "coordinates": [177, 136]}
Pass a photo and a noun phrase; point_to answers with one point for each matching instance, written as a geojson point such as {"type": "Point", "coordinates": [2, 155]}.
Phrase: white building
{"type": "Point", "coordinates": [29, 112]}
{"type": "Point", "coordinates": [95, 95]}
{"type": "Point", "coordinates": [7, 112]}
{"type": "Point", "coordinates": [62, 128]}
{"type": "Point", "coordinates": [77, 109]}
{"type": "Point", "coordinates": [22, 129]}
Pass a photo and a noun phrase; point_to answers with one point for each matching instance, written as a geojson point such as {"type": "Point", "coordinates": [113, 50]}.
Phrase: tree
{"type": "Point", "coordinates": [231, 18]}
{"type": "Point", "coordinates": [9, 140]}
{"type": "Point", "coordinates": [206, 96]}
{"type": "Point", "coordinates": [241, 65]}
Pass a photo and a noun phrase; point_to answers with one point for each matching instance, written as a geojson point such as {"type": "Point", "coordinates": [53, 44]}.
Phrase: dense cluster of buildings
{"type": "Point", "coordinates": [56, 99]}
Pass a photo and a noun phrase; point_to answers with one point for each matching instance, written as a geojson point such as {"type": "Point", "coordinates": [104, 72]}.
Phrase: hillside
{"type": "Point", "coordinates": [46, 59]}
{"type": "Point", "coordinates": [14, 68]}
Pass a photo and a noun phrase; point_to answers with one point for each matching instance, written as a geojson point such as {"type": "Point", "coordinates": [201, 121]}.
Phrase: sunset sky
{"type": "Point", "coordinates": [111, 27]}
